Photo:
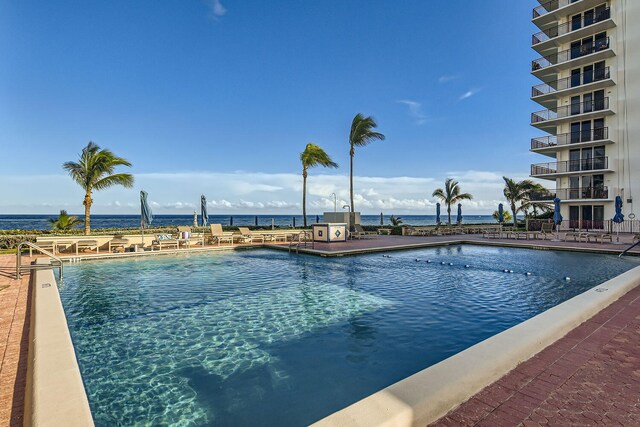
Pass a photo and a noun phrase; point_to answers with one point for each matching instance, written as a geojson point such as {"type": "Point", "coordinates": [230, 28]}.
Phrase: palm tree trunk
{"type": "Point", "coordinates": [515, 220]}
{"type": "Point", "coordinates": [449, 213]}
{"type": "Point", "coordinates": [352, 215]}
{"type": "Point", "coordinates": [304, 197]}
{"type": "Point", "coordinates": [87, 213]}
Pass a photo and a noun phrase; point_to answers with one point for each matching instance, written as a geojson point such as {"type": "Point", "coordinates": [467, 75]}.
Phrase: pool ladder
{"type": "Point", "coordinates": [301, 239]}
{"type": "Point", "coordinates": [32, 246]}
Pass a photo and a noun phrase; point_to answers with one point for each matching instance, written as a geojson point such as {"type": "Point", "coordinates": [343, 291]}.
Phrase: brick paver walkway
{"type": "Point", "coordinates": [589, 377]}
{"type": "Point", "coordinates": [14, 341]}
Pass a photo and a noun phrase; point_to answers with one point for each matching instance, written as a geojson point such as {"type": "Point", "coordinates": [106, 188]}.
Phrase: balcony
{"type": "Point", "coordinates": [566, 194]}
{"type": "Point", "coordinates": [551, 170]}
{"type": "Point", "coordinates": [548, 119]}
{"type": "Point", "coordinates": [553, 143]}
{"type": "Point", "coordinates": [553, 63]}
{"type": "Point", "coordinates": [551, 11]}
{"type": "Point", "coordinates": [590, 23]}
{"type": "Point", "coordinates": [547, 93]}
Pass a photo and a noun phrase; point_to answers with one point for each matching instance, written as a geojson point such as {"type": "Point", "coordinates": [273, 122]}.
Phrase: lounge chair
{"type": "Point", "coordinates": [362, 232]}
{"type": "Point", "coordinates": [164, 240]}
{"type": "Point", "coordinates": [87, 244]}
{"type": "Point", "coordinates": [247, 235]}
{"type": "Point", "coordinates": [576, 236]}
{"type": "Point", "coordinates": [546, 229]}
{"type": "Point", "coordinates": [182, 229]}
{"type": "Point", "coordinates": [218, 236]}
{"type": "Point", "coordinates": [118, 242]}
{"type": "Point", "coordinates": [599, 237]}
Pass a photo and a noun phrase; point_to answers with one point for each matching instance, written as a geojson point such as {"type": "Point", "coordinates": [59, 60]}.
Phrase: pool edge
{"type": "Point", "coordinates": [55, 393]}
{"type": "Point", "coordinates": [431, 393]}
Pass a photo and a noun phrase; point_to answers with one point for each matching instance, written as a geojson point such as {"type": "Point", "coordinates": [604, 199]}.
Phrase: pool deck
{"type": "Point", "coordinates": [14, 340]}
{"type": "Point", "coordinates": [590, 376]}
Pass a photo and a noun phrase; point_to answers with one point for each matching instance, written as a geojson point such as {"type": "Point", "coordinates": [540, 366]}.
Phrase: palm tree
{"type": "Point", "coordinates": [95, 171]}
{"type": "Point", "coordinates": [518, 192]}
{"type": "Point", "coordinates": [312, 156]}
{"type": "Point", "coordinates": [451, 195]}
{"type": "Point", "coordinates": [361, 134]}
{"type": "Point", "coordinates": [505, 215]}
{"type": "Point", "coordinates": [528, 203]}
{"type": "Point", "coordinates": [65, 222]}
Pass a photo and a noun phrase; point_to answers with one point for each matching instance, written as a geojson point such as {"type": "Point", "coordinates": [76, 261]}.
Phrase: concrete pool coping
{"type": "Point", "coordinates": [55, 393]}
{"type": "Point", "coordinates": [431, 393]}
{"type": "Point", "coordinates": [416, 400]}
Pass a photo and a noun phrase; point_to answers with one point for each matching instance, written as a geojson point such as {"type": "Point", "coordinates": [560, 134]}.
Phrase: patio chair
{"type": "Point", "coordinates": [185, 230]}
{"type": "Point", "coordinates": [362, 231]}
{"type": "Point", "coordinates": [576, 236]}
{"type": "Point", "coordinates": [83, 244]}
{"type": "Point", "coordinates": [249, 236]}
{"type": "Point", "coordinates": [218, 236]}
{"type": "Point", "coordinates": [599, 237]}
{"type": "Point", "coordinates": [546, 229]}
{"type": "Point", "coordinates": [164, 240]}
{"type": "Point", "coordinates": [118, 242]}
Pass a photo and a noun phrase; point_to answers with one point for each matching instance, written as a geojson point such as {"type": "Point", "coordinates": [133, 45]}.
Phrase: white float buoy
{"type": "Point", "coordinates": [442, 263]}
{"type": "Point", "coordinates": [567, 278]}
{"type": "Point", "coordinates": [466, 266]}
{"type": "Point", "coordinates": [505, 270]}
{"type": "Point", "coordinates": [428, 260]}
{"type": "Point", "coordinates": [450, 263]}
{"type": "Point", "coordinates": [510, 271]}
{"type": "Point", "coordinates": [417, 260]}
{"type": "Point", "coordinates": [527, 274]}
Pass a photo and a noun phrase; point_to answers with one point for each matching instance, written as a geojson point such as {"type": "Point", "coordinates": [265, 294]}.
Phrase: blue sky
{"type": "Point", "coordinates": [220, 97]}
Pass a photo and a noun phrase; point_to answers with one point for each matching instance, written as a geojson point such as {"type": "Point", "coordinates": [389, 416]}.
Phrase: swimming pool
{"type": "Point", "coordinates": [264, 337]}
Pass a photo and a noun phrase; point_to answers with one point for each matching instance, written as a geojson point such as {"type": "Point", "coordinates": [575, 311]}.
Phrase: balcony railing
{"type": "Point", "coordinates": [570, 26]}
{"type": "Point", "coordinates": [549, 6]}
{"type": "Point", "coordinates": [597, 134]}
{"type": "Point", "coordinates": [595, 163]}
{"type": "Point", "coordinates": [569, 54]}
{"type": "Point", "coordinates": [569, 82]}
{"type": "Point", "coordinates": [596, 193]}
{"type": "Point", "coordinates": [570, 110]}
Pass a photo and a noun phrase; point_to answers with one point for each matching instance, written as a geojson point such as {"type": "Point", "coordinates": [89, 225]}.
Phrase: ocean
{"type": "Point", "coordinates": [41, 222]}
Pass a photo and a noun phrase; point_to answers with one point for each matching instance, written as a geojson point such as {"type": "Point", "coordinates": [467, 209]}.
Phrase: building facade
{"type": "Point", "coordinates": [589, 68]}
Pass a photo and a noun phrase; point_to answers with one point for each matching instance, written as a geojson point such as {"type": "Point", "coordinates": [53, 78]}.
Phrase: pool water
{"type": "Point", "coordinates": [261, 337]}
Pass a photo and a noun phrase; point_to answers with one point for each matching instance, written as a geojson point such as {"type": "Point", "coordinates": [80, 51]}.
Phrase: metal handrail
{"type": "Point", "coordinates": [301, 238]}
{"type": "Point", "coordinates": [596, 192]}
{"type": "Point", "coordinates": [594, 135]}
{"type": "Point", "coordinates": [570, 82]}
{"type": "Point", "coordinates": [570, 110]}
{"type": "Point", "coordinates": [594, 163]}
{"type": "Point", "coordinates": [569, 54]}
{"type": "Point", "coordinates": [569, 26]}
{"type": "Point", "coordinates": [37, 248]}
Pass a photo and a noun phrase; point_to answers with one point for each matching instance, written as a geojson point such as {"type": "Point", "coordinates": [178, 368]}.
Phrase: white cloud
{"type": "Point", "coordinates": [252, 192]}
{"type": "Point", "coordinates": [468, 94]}
{"type": "Point", "coordinates": [217, 9]}
{"type": "Point", "coordinates": [447, 78]}
{"type": "Point", "coordinates": [415, 111]}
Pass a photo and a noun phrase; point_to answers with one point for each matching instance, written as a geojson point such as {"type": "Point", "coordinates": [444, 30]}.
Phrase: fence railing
{"type": "Point", "coordinates": [596, 193]}
{"type": "Point", "coordinates": [569, 26]}
{"type": "Point", "coordinates": [598, 134]}
{"type": "Point", "coordinates": [569, 54]}
{"type": "Point", "coordinates": [570, 110]}
{"type": "Point", "coordinates": [627, 226]}
{"type": "Point", "coordinates": [549, 6]}
{"type": "Point", "coordinates": [594, 163]}
{"type": "Point", "coordinates": [569, 82]}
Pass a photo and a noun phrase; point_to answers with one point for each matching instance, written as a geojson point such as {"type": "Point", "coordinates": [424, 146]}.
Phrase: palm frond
{"type": "Point", "coordinates": [124, 179]}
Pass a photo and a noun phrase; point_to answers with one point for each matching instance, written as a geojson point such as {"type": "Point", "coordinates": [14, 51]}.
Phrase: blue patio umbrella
{"type": "Point", "coordinates": [500, 213]}
{"type": "Point", "coordinates": [618, 218]}
{"type": "Point", "coordinates": [231, 221]}
{"type": "Point", "coordinates": [317, 219]}
{"type": "Point", "coordinates": [437, 213]}
{"type": "Point", "coordinates": [203, 211]}
{"type": "Point", "coordinates": [146, 216]}
{"type": "Point", "coordinates": [256, 221]}
{"type": "Point", "coordinates": [557, 217]}
{"type": "Point", "coordinates": [459, 218]}
{"type": "Point", "coordinates": [381, 219]}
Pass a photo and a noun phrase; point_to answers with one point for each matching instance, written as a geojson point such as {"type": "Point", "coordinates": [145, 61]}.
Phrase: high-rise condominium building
{"type": "Point", "coordinates": [589, 67]}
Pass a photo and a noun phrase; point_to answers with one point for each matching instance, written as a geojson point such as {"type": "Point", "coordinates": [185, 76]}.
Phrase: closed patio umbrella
{"type": "Point", "coordinates": [618, 218]}
{"type": "Point", "coordinates": [437, 213]}
{"type": "Point", "coordinates": [381, 219]}
{"type": "Point", "coordinates": [557, 217]}
{"type": "Point", "coordinates": [500, 213]}
{"type": "Point", "coordinates": [256, 221]}
{"type": "Point", "coordinates": [459, 218]}
{"type": "Point", "coordinates": [203, 210]}
{"type": "Point", "coordinates": [146, 216]}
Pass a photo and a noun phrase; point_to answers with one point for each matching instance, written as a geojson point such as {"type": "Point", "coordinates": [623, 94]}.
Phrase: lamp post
{"type": "Point", "coordinates": [335, 202]}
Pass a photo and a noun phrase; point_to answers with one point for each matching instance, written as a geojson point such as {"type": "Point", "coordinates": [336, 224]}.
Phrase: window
{"type": "Point", "coordinates": [585, 132]}
{"type": "Point", "coordinates": [587, 101]}
{"type": "Point", "coordinates": [598, 217]}
{"type": "Point", "coordinates": [575, 77]}
{"type": "Point", "coordinates": [575, 105]}
{"type": "Point", "coordinates": [576, 22]}
{"type": "Point", "coordinates": [575, 132]}
{"type": "Point", "coordinates": [574, 160]}
{"type": "Point", "coordinates": [598, 130]}
{"type": "Point", "coordinates": [600, 71]}
{"type": "Point", "coordinates": [588, 74]}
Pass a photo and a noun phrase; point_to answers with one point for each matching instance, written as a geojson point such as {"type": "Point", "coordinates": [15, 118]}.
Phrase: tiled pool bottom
{"type": "Point", "coordinates": [266, 338]}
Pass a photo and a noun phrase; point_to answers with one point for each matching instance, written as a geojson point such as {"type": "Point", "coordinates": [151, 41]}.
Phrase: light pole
{"type": "Point", "coordinates": [335, 202]}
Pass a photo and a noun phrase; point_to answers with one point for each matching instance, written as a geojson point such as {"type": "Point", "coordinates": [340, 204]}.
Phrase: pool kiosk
{"type": "Point", "coordinates": [329, 232]}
